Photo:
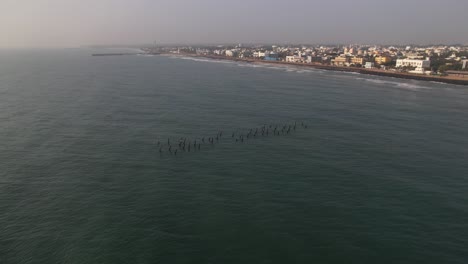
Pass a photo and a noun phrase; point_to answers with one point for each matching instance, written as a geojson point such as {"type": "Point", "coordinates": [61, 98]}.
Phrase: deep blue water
{"type": "Point", "coordinates": [379, 176]}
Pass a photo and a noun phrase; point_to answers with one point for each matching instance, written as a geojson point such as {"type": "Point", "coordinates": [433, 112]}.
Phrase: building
{"type": "Point", "coordinates": [231, 53]}
{"type": "Point", "coordinates": [369, 65]}
{"type": "Point", "coordinates": [314, 59]}
{"type": "Point", "coordinates": [424, 64]}
{"type": "Point", "coordinates": [271, 56]}
{"type": "Point", "coordinates": [341, 61]}
{"type": "Point", "coordinates": [465, 63]}
{"type": "Point", "coordinates": [259, 54]}
{"type": "Point", "coordinates": [294, 58]}
{"type": "Point", "coordinates": [358, 60]}
{"type": "Point", "coordinates": [383, 59]}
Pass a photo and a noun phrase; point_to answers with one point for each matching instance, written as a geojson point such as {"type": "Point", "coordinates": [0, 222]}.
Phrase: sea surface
{"type": "Point", "coordinates": [380, 175]}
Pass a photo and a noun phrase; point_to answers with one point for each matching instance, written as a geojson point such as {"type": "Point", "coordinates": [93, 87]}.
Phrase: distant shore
{"type": "Point", "coordinates": [442, 79]}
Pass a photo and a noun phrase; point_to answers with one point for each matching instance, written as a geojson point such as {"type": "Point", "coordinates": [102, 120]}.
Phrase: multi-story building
{"type": "Point", "coordinates": [271, 56]}
{"type": "Point", "coordinates": [341, 61]}
{"type": "Point", "coordinates": [231, 53]}
{"type": "Point", "coordinates": [424, 64]}
{"type": "Point", "coordinates": [384, 59]}
{"type": "Point", "coordinates": [419, 65]}
{"type": "Point", "coordinates": [369, 65]}
{"type": "Point", "coordinates": [294, 58]}
{"type": "Point", "coordinates": [465, 63]}
{"type": "Point", "coordinates": [258, 54]}
{"type": "Point", "coordinates": [358, 60]}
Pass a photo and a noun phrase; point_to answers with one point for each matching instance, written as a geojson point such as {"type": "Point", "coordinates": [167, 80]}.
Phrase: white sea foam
{"type": "Point", "coordinates": [353, 73]}
{"type": "Point", "coordinates": [300, 70]}
{"type": "Point", "coordinates": [286, 68]}
{"type": "Point", "coordinates": [201, 59]}
{"type": "Point", "coordinates": [402, 84]}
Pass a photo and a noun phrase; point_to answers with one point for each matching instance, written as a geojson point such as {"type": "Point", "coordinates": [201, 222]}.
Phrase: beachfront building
{"type": "Point", "coordinates": [314, 59]}
{"type": "Point", "coordinates": [219, 52]}
{"type": "Point", "coordinates": [369, 65]}
{"type": "Point", "coordinates": [419, 65]}
{"type": "Point", "coordinates": [341, 61]}
{"type": "Point", "coordinates": [424, 64]}
{"type": "Point", "coordinates": [259, 54]}
{"type": "Point", "coordinates": [383, 59]}
{"type": "Point", "coordinates": [294, 58]}
{"type": "Point", "coordinates": [231, 53]}
{"type": "Point", "coordinates": [358, 60]}
{"type": "Point", "coordinates": [271, 56]}
{"type": "Point", "coordinates": [464, 64]}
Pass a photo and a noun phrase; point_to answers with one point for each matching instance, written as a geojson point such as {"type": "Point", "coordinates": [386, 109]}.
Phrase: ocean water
{"type": "Point", "coordinates": [379, 176]}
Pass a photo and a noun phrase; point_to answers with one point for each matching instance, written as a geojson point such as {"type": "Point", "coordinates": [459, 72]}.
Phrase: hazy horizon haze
{"type": "Point", "coordinates": [72, 23]}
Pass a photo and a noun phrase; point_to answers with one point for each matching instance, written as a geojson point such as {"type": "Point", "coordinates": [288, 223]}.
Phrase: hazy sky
{"type": "Point", "coordinates": [70, 23]}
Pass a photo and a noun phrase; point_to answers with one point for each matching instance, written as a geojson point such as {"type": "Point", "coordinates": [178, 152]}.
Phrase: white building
{"type": "Point", "coordinates": [465, 63]}
{"type": "Point", "coordinates": [419, 65]}
{"type": "Point", "coordinates": [218, 52]}
{"type": "Point", "coordinates": [293, 58]}
{"type": "Point", "coordinates": [231, 53]}
{"type": "Point", "coordinates": [424, 64]}
{"type": "Point", "coordinates": [369, 65]}
{"type": "Point", "coordinates": [259, 54]}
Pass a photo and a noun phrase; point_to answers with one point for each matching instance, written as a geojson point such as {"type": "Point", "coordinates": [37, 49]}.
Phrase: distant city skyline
{"type": "Point", "coordinates": [74, 23]}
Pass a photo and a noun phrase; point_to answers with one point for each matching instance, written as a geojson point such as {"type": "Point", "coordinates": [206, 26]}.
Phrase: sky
{"type": "Point", "coordinates": [74, 23]}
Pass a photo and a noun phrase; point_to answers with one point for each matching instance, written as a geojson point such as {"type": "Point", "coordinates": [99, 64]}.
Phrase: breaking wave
{"type": "Point", "coordinates": [403, 85]}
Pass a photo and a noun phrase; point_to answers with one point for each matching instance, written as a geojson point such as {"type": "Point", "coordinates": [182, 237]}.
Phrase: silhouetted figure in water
{"type": "Point", "coordinates": [175, 152]}
{"type": "Point", "coordinates": [232, 135]}
{"type": "Point", "coordinates": [170, 149]}
{"type": "Point", "coordinates": [203, 140]}
{"type": "Point", "coordinates": [199, 146]}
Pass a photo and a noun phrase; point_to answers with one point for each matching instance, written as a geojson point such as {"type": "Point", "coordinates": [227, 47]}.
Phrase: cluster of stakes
{"type": "Point", "coordinates": [188, 145]}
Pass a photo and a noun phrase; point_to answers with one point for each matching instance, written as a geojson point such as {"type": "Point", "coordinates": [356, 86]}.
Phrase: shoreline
{"type": "Point", "coordinates": [375, 72]}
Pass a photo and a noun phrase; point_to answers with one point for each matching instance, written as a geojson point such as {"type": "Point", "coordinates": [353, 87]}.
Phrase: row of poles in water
{"type": "Point", "coordinates": [186, 145]}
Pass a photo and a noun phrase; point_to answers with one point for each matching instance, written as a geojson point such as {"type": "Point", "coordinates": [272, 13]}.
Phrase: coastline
{"type": "Point", "coordinates": [375, 72]}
